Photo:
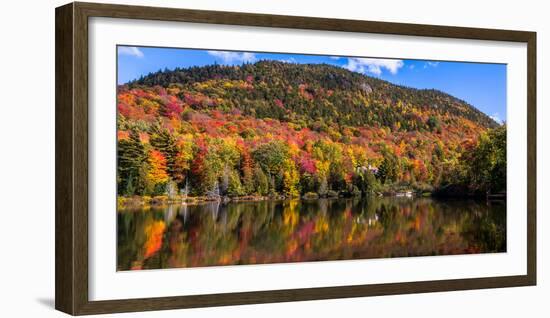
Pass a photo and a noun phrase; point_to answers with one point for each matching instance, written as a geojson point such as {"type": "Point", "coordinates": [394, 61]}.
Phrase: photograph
{"type": "Point", "coordinates": [249, 158]}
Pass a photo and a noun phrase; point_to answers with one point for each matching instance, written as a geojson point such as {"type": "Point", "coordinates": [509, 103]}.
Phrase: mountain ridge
{"type": "Point", "coordinates": [322, 77]}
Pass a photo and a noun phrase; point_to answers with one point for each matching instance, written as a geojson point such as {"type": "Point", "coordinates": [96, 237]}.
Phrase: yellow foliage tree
{"type": "Point", "coordinates": [291, 179]}
{"type": "Point", "coordinates": [157, 172]}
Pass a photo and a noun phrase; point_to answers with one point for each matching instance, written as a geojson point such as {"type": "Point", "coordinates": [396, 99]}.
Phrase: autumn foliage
{"type": "Point", "coordinates": [288, 129]}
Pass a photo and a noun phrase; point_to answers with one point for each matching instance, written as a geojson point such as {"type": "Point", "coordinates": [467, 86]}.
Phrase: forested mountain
{"type": "Point", "coordinates": [314, 92]}
{"type": "Point", "coordinates": [282, 128]}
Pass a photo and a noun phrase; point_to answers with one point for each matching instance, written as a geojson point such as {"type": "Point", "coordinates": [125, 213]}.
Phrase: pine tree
{"type": "Point", "coordinates": [261, 182]}
{"type": "Point", "coordinates": [131, 155]}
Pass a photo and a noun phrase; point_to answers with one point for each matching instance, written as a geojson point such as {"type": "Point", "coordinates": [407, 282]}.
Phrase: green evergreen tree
{"type": "Point", "coordinates": [261, 182]}
{"type": "Point", "coordinates": [131, 155]}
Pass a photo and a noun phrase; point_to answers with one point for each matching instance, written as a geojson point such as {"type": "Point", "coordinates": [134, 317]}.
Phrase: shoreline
{"type": "Point", "coordinates": [138, 201]}
{"type": "Point", "coordinates": [141, 201]}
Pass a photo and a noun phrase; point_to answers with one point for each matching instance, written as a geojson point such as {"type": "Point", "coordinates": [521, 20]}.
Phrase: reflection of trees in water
{"type": "Point", "coordinates": [289, 231]}
{"type": "Point", "coordinates": [140, 237]}
{"type": "Point", "coordinates": [487, 227]}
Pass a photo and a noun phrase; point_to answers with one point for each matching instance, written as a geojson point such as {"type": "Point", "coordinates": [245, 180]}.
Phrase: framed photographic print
{"type": "Point", "coordinates": [211, 158]}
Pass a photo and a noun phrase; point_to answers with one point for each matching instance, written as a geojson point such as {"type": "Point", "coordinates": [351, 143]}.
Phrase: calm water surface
{"type": "Point", "coordinates": [294, 231]}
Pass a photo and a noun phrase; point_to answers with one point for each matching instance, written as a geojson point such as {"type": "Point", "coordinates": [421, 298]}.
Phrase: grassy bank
{"type": "Point", "coordinates": [139, 201]}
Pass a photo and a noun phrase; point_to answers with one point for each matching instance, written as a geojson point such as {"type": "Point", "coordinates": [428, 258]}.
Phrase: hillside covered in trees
{"type": "Point", "coordinates": [274, 128]}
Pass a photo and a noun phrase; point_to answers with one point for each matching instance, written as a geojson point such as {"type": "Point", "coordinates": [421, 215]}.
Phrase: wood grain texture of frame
{"type": "Point", "coordinates": [71, 124]}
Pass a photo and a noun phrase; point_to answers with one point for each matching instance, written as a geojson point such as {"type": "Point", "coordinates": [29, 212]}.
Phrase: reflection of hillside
{"type": "Point", "coordinates": [293, 231]}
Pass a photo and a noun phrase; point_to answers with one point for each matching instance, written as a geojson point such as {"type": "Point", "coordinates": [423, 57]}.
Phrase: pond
{"type": "Point", "coordinates": [214, 234]}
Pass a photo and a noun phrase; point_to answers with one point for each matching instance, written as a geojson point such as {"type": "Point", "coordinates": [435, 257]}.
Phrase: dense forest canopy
{"type": "Point", "coordinates": [274, 128]}
{"type": "Point", "coordinates": [313, 92]}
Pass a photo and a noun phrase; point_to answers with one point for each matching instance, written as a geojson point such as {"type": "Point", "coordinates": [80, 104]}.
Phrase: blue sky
{"type": "Point", "coordinates": [480, 84]}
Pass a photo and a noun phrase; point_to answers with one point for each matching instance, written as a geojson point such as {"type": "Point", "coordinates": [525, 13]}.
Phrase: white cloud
{"type": "Point", "coordinates": [496, 117]}
{"type": "Point", "coordinates": [334, 57]}
{"type": "Point", "coordinates": [233, 57]}
{"type": "Point", "coordinates": [130, 50]}
{"type": "Point", "coordinates": [432, 64]}
{"type": "Point", "coordinates": [374, 66]}
{"type": "Point", "coordinates": [290, 60]}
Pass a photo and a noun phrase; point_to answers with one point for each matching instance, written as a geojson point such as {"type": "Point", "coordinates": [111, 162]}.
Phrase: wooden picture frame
{"type": "Point", "coordinates": [71, 122]}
